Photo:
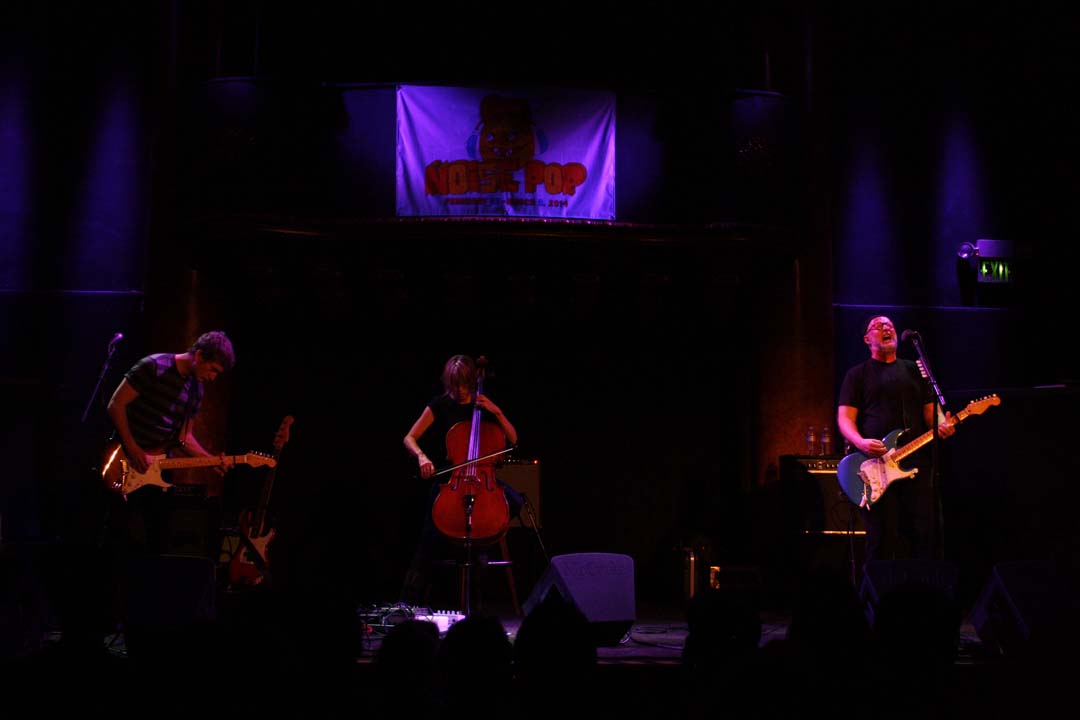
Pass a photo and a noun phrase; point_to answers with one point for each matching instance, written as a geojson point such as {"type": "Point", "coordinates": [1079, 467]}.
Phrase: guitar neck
{"type": "Point", "coordinates": [268, 482]}
{"type": "Point", "coordinates": [192, 462]}
{"type": "Point", "coordinates": [264, 497]}
{"type": "Point", "coordinates": [926, 437]}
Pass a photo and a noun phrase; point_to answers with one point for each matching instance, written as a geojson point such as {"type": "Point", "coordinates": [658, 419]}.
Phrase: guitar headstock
{"type": "Point", "coordinates": [978, 407]}
{"type": "Point", "coordinates": [255, 459]}
{"type": "Point", "coordinates": [282, 435]}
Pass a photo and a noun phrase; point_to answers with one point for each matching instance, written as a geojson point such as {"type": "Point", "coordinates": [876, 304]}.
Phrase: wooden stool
{"type": "Point", "coordinates": [507, 564]}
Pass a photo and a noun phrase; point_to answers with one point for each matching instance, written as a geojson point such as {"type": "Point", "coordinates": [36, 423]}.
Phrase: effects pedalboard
{"type": "Point", "coordinates": [382, 618]}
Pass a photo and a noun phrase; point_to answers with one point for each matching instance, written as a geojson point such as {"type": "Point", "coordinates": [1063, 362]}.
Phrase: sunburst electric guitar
{"type": "Point", "coordinates": [250, 564]}
{"type": "Point", "coordinates": [120, 477]}
{"type": "Point", "coordinates": [865, 479]}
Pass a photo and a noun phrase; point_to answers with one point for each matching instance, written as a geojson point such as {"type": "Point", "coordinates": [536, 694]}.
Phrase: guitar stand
{"type": "Point", "coordinates": [231, 544]}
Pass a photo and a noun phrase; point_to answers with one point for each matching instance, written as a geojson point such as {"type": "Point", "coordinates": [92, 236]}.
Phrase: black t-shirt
{"type": "Point", "coordinates": [888, 396]}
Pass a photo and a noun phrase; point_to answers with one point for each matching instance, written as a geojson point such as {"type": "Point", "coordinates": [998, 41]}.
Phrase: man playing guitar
{"type": "Point", "coordinates": [153, 410]}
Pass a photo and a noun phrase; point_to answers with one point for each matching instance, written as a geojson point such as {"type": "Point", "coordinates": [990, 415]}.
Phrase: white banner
{"type": "Point", "coordinates": [470, 151]}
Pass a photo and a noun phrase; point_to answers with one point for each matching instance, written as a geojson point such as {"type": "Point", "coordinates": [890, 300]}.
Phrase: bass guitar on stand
{"type": "Point", "coordinates": [250, 564]}
{"type": "Point", "coordinates": [865, 479]}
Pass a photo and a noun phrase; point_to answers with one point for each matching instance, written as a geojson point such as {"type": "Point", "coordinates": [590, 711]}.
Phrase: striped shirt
{"type": "Point", "coordinates": [166, 399]}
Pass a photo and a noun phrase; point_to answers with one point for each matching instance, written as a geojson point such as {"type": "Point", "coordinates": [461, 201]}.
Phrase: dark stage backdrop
{"type": "Point", "coordinates": [314, 149]}
{"type": "Point", "coordinates": [1008, 483]}
{"type": "Point", "coordinates": [49, 379]}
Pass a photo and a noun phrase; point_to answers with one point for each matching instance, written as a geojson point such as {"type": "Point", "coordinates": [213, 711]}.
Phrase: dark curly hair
{"type": "Point", "coordinates": [215, 347]}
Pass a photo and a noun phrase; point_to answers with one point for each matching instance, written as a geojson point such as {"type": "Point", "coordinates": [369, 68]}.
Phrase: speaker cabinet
{"type": "Point", "coordinates": [525, 478]}
{"type": "Point", "coordinates": [1025, 605]}
{"type": "Point", "coordinates": [814, 501]}
{"type": "Point", "coordinates": [601, 586]}
{"type": "Point", "coordinates": [881, 576]}
{"type": "Point", "coordinates": [190, 531]}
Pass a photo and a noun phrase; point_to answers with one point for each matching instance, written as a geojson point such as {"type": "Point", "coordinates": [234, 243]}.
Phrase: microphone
{"type": "Point", "coordinates": [115, 339]}
{"type": "Point", "coordinates": [909, 335]}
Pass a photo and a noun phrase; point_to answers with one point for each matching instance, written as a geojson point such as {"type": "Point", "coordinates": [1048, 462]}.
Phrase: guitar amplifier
{"type": "Point", "coordinates": [523, 476]}
{"type": "Point", "coordinates": [817, 502]}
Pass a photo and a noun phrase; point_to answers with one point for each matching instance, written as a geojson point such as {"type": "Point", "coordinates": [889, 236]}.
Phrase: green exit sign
{"type": "Point", "coordinates": [995, 270]}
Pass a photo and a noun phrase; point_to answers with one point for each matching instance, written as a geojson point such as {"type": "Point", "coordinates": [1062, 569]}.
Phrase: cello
{"type": "Point", "coordinates": [471, 506]}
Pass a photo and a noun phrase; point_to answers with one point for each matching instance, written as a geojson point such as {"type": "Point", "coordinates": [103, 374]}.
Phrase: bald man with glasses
{"type": "Point", "coordinates": [881, 394]}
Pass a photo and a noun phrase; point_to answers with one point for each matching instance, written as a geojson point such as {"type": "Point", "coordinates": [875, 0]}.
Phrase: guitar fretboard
{"type": "Point", "coordinates": [191, 462]}
{"type": "Point", "coordinates": [976, 407]}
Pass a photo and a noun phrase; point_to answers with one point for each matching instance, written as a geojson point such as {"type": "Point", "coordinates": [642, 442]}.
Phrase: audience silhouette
{"type": "Point", "coordinates": [555, 660]}
{"type": "Point", "coordinates": [916, 634]}
{"type": "Point", "coordinates": [404, 671]}
{"type": "Point", "coordinates": [295, 653]}
{"type": "Point", "coordinates": [474, 670]}
{"type": "Point", "coordinates": [720, 654]}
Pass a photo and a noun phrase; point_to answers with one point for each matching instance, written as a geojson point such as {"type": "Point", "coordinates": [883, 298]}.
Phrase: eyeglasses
{"type": "Point", "coordinates": [880, 326]}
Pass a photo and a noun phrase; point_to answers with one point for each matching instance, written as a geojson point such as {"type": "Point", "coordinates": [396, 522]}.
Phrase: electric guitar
{"type": "Point", "coordinates": [251, 561]}
{"type": "Point", "coordinates": [120, 477]}
{"type": "Point", "coordinates": [865, 479]}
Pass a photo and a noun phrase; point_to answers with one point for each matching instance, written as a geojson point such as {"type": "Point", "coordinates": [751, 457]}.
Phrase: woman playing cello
{"type": "Point", "coordinates": [431, 436]}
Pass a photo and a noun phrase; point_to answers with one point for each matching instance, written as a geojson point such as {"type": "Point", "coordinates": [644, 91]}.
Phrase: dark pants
{"type": "Point", "coordinates": [900, 524]}
{"type": "Point", "coordinates": [152, 523]}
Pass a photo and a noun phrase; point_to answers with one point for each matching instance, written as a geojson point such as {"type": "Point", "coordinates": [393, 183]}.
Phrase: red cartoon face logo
{"type": "Point", "coordinates": [505, 132]}
{"type": "Point", "coordinates": [502, 152]}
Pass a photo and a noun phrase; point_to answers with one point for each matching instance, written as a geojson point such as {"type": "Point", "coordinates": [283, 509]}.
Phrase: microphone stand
{"type": "Point", "coordinates": [935, 477]}
{"type": "Point", "coordinates": [97, 386]}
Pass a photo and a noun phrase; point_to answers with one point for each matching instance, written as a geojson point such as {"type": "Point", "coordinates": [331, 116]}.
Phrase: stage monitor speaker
{"type": "Point", "coordinates": [600, 585]}
{"type": "Point", "coordinates": [881, 576]}
{"type": "Point", "coordinates": [1025, 605]}
{"type": "Point", "coordinates": [525, 478]}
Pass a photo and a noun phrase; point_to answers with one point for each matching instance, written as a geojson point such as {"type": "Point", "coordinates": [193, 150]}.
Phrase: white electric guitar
{"type": "Point", "coordinates": [865, 479]}
{"type": "Point", "coordinates": [120, 477]}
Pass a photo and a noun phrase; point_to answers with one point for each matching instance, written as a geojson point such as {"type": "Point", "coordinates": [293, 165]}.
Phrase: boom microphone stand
{"type": "Point", "coordinates": [937, 543]}
{"type": "Point", "coordinates": [104, 369]}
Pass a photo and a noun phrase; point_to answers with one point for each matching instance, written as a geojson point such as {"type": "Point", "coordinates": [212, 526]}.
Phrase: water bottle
{"type": "Point", "coordinates": [811, 441]}
{"type": "Point", "coordinates": [826, 441]}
